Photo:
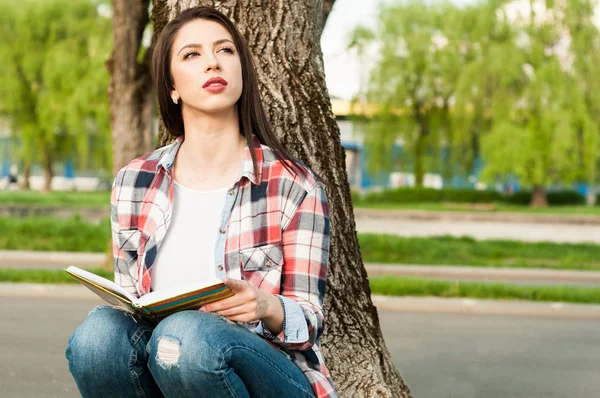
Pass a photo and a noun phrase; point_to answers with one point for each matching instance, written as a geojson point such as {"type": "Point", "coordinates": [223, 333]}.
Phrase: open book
{"type": "Point", "coordinates": [155, 305]}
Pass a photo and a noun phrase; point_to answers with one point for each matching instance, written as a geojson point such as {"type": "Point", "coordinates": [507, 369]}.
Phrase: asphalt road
{"type": "Point", "coordinates": [439, 355]}
{"type": "Point", "coordinates": [493, 356]}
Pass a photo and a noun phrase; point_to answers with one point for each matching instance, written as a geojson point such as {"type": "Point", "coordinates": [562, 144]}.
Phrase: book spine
{"type": "Point", "coordinates": [146, 313]}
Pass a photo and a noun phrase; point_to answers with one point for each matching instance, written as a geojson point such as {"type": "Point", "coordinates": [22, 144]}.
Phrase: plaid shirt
{"type": "Point", "coordinates": [275, 234]}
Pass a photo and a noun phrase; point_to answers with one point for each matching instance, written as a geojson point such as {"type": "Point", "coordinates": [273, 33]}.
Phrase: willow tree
{"type": "Point", "coordinates": [532, 84]}
{"type": "Point", "coordinates": [53, 81]}
{"type": "Point", "coordinates": [284, 38]}
{"type": "Point", "coordinates": [414, 55]}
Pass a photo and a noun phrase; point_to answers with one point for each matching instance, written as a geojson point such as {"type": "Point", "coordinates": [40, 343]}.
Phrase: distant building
{"type": "Point", "coordinates": [357, 155]}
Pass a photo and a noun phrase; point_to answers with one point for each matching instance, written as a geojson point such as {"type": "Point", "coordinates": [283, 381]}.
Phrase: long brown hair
{"type": "Point", "coordinates": [251, 114]}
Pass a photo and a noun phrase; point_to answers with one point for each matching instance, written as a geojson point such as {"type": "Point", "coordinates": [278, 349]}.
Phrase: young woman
{"type": "Point", "coordinates": [226, 200]}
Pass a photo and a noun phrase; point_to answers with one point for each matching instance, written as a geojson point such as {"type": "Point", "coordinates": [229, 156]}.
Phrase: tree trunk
{"type": "Point", "coordinates": [424, 130]}
{"type": "Point", "coordinates": [130, 93]}
{"type": "Point", "coordinates": [538, 197]}
{"type": "Point", "coordinates": [327, 7]}
{"type": "Point", "coordinates": [418, 154]}
{"type": "Point", "coordinates": [48, 173]}
{"type": "Point", "coordinates": [26, 175]}
{"type": "Point", "coordinates": [292, 83]}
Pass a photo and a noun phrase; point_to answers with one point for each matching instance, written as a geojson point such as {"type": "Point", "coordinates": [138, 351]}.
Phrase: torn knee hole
{"type": "Point", "coordinates": [167, 352]}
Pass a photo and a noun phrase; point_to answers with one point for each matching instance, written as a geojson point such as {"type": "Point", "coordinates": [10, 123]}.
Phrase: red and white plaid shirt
{"type": "Point", "coordinates": [275, 234]}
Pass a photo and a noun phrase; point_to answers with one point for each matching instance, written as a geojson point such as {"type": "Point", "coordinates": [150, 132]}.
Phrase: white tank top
{"type": "Point", "coordinates": [187, 253]}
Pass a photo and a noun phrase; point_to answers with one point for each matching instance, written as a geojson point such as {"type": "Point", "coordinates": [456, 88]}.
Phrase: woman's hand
{"type": "Point", "coordinates": [249, 304]}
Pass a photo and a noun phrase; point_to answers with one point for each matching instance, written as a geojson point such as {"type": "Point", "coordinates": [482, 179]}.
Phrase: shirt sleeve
{"type": "Point", "coordinates": [121, 261]}
{"type": "Point", "coordinates": [295, 329]}
{"type": "Point", "coordinates": [305, 245]}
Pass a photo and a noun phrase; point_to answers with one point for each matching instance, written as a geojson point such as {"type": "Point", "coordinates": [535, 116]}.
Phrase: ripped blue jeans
{"type": "Point", "coordinates": [188, 354]}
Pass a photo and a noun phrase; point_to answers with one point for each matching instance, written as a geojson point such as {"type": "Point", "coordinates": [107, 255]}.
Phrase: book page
{"type": "Point", "coordinates": [86, 278]}
{"type": "Point", "coordinates": [112, 298]}
{"type": "Point", "coordinates": [161, 295]}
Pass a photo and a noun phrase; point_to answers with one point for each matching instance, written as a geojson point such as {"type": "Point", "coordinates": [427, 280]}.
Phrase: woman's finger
{"type": "Point", "coordinates": [230, 302]}
{"type": "Point", "coordinates": [235, 311]}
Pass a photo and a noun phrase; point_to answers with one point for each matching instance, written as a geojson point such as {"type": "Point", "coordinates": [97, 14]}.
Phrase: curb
{"type": "Point", "coordinates": [486, 307]}
{"type": "Point", "coordinates": [407, 304]}
{"type": "Point", "coordinates": [578, 219]}
{"type": "Point", "coordinates": [46, 290]}
{"type": "Point", "coordinates": [485, 273]}
{"type": "Point", "coordinates": [40, 259]}
{"type": "Point", "coordinates": [58, 260]}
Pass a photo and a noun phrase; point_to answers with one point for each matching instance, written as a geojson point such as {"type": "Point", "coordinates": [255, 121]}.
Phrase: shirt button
{"type": "Point", "coordinates": [230, 192]}
{"type": "Point", "coordinates": [222, 230]}
{"type": "Point", "coordinates": [220, 268]}
{"type": "Point", "coordinates": [268, 263]}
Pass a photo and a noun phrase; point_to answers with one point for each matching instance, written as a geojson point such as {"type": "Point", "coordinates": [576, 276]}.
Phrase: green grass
{"type": "Point", "coordinates": [50, 234]}
{"type": "Point", "coordinates": [499, 207]}
{"type": "Point", "coordinates": [447, 250]}
{"type": "Point", "coordinates": [45, 275]}
{"type": "Point", "coordinates": [390, 286]}
{"type": "Point", "coordinates": [55, 199]}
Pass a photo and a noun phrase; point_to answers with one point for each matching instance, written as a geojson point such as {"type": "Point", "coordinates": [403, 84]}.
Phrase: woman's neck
{"type": "Point", "coordinates": [212, 150]}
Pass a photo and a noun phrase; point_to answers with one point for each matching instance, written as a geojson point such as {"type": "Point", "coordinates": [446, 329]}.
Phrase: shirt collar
{"type": "Point", "coordinates": [168, 158]}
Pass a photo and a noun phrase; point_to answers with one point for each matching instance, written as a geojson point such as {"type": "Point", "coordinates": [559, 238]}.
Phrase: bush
{"type": "Point", "coordinates": [470, 196]}
{"type": "Point", "coordinates": [453, 195]}
{"type": "Point", "coordinates": [561, 198]}
{"type": "Point", "coordinates": [355, 196]}
{"type": "Point", "coordinates": [423, 195]}
{"type": "Point", "coordinates": [555, 198]}
{"type": "Point", "coordinates": [522, 198]}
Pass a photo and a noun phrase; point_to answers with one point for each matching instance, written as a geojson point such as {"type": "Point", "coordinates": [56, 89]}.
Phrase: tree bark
{"type": "Point", "coordinates": [418, 154]}
{"type": "Point", "coordinates": [419, 149]}
{"type": "Point", "coordinates": [538, 197]}
{"type": "Point", "coordinates": [286, 34]}
{"type": "Point", "coordinates": [48, 172]}
{"type": "Point", "coordinates": [130, 93]}
{"type": "Point", "coordinates": [26, 175]}
{"type": "Point", "coordinates": [327, 7]}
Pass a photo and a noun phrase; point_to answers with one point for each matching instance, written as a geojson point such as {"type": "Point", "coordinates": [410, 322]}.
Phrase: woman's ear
{"type": "Point", "coordinates": [175, 96]}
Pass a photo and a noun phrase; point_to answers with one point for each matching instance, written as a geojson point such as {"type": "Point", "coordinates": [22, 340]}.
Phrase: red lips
{"type": "Point", "coordinates": [215, 80]}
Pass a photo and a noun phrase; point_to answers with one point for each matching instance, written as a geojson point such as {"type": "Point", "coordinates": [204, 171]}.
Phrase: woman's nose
{"type": "Point", "coordinates": [212, 64]}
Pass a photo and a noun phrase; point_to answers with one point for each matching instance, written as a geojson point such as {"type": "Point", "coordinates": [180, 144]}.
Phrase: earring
{"type": "Point", "coordinates": [175, 99]}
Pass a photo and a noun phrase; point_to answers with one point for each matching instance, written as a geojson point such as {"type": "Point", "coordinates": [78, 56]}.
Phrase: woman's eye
{"type": "Point", "coordinates": [195, 53]}
{"type": "Point", "coordinates": [191, 53]}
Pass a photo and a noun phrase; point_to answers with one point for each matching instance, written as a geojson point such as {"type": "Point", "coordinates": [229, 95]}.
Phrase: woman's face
{"type": "Point", "coordinates": [204, 50]}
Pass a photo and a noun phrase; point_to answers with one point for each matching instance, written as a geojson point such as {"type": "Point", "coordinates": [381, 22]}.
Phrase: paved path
{"type": "Point", "coordinates": [479, 225]}
{"type": "Point", "coordinates": [521, 276]}
{"type": "Point", "coordinates": [49, 260]}
{"type": "Point", "coordinates": [42, 259]}
{"type": "Point", "coordinates": [524, 231]}
{"type": "Point", "coordinates": [439, 355]}
{"type": "Point", "coordinates": [497, 216]}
